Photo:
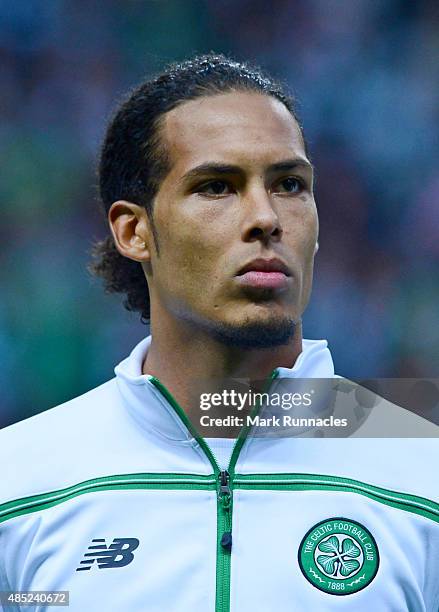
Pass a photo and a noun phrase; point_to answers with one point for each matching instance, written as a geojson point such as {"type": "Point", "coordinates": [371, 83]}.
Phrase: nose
{"type": "Point", "coordinates": [260, 220]}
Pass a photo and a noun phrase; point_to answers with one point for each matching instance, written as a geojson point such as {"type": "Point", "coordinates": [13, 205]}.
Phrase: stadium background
{"type": "Point", "coordinates": [366, 76]}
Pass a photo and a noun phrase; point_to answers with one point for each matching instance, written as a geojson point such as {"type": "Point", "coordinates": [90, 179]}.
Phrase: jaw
{"type": "Point", "coordinates": [261, 325]}
{"type": "Point", "coordinates": [264, 318]}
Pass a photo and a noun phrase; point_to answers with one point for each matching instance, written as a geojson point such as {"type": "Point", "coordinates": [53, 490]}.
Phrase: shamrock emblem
{"type": "Point", "coordinates": [340, 558]}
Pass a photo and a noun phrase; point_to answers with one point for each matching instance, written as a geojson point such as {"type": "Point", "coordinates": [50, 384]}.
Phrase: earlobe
{"type": "Point", "coordinates": [316, 248]}
{"type": "Point", "coordinates": [129, 226]}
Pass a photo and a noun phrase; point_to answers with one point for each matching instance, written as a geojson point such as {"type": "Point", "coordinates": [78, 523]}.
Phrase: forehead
{"type": "Point", "coordinates": [247, 129]}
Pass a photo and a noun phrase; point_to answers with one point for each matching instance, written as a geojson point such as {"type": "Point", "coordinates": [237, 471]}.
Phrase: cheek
{"type": "Point", "coordinates": [301, 231]}
{"type": "Point", "coordinates": [191, 256]}
{"type": "Point", "coordinates": [197, 233]}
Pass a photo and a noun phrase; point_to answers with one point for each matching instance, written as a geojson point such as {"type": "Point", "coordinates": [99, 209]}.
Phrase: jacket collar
{"type": "Point", "coordinates": [151, 410]}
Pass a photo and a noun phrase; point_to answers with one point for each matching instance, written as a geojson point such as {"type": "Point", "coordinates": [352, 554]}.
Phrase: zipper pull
{"type": "Point", "coordinates": [225, 493]}
{"type": "Point", "coordinates": [224, 483]}
{"type": "Point", "coordinates": [225, 496]}
{"type": "Point", "coordinates": [226, 540]}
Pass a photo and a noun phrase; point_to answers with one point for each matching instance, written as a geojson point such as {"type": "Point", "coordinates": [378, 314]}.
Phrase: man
{"type": "Point", "coordinates": [115, 496]}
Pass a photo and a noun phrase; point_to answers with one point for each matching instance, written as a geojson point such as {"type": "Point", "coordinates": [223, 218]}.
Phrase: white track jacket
{"type": "Point", "coordinates": [113, 498]}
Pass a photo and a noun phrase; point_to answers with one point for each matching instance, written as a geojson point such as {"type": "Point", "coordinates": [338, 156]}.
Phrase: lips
{"type": "Point", "coordinates": [265, 265]}
{"type": "Point", "coordinates": [265, 274]}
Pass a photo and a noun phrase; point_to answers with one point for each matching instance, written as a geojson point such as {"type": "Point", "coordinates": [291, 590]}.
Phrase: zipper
{"type": "Point", "coordinates": [224, 541]}
{"type": "Point", "coordinates": [225, 480]}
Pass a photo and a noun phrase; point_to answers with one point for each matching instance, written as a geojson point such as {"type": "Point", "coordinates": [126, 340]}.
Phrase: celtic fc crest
{"type": "Point", "coordinates": [339, 556]}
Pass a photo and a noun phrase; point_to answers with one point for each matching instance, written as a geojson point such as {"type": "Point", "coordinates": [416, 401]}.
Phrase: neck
{"type": "Point", "coordinates": [189, 363]}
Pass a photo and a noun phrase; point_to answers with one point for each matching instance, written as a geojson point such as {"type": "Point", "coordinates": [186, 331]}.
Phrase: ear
{"type": "Point", "coordinates": [130, 227]}
{"type": "Point", "coordinates": [316, 248]}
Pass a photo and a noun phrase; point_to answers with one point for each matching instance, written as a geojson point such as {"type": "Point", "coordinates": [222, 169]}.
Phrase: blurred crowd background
{"type": "Point", "coordinates": [366, 76]}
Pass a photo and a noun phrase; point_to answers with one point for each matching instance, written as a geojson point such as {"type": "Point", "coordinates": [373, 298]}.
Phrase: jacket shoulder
{"type": "Point", "coordinates": [41, 452]}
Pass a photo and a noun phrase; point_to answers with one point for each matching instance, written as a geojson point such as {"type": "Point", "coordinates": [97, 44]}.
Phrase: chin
{"type": "Point", "coordinates": [257, 332]}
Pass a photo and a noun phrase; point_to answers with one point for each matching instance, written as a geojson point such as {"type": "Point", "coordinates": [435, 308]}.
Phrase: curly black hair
{"type": "Point", "coordinates": [134, 162]}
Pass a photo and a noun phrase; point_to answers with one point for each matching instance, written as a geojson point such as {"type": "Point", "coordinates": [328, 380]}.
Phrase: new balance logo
{"type": "Point", "coordinates": [118, 554]}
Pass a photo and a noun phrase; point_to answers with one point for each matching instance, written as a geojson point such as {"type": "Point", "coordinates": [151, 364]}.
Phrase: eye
{"type": "Point", "coordinates": [290, 185]}
{"type": "Point", "coordinates": [214, 188]}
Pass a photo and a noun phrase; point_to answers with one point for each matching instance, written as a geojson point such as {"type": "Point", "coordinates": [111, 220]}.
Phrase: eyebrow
{"type": "Point", "coordinates": [219, 169]}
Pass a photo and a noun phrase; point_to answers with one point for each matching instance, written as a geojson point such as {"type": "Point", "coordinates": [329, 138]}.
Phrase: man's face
{"type": "Point", "coordinates": [238, 195]}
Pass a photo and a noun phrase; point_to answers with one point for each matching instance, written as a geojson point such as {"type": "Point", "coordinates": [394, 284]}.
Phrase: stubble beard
{"type": "Point", "coordinates": [253, 335]}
